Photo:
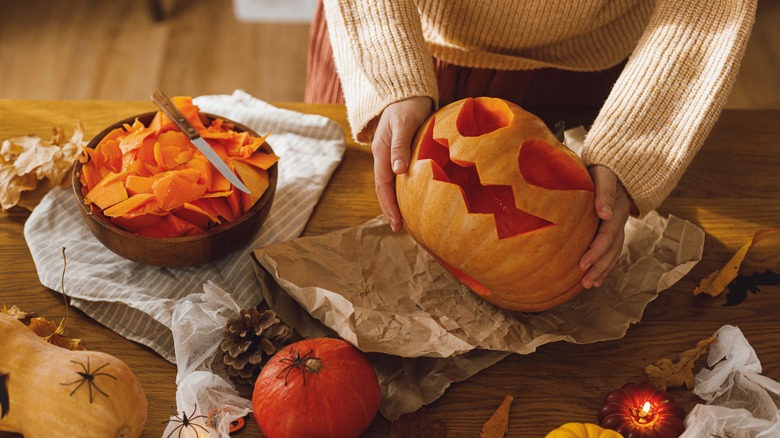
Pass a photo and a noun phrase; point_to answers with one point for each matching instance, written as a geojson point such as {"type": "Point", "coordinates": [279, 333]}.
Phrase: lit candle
{"type": "Point", "coordinates": [642, 411]}
{"type": "Point", "coordinates": [643, 415]}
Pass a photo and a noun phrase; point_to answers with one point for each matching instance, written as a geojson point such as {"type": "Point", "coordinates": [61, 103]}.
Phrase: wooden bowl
{"type": "Point", "coordinates": [215, 243]}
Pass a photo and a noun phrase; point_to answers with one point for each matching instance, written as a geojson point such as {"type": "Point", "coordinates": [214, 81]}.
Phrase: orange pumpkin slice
{"type": "Point", "coordinates": [108, 191]}
{"type": "Point", "coordinates": [152, 181]}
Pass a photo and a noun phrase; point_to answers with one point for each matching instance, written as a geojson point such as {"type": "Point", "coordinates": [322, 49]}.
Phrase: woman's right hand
{"type": "Point", "coordinates": [392, 148]}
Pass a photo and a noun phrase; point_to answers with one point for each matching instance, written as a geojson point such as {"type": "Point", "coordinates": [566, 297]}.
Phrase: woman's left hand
{"type": "Point", "coordinates": [613, 206]}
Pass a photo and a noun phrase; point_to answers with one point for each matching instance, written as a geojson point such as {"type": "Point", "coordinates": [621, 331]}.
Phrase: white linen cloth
{"type": "Point", "coordinates": [137, 301]}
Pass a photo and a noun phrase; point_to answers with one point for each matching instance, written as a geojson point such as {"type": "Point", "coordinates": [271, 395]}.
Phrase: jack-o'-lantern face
{"type": "Point", "coordinates": [506, 208]}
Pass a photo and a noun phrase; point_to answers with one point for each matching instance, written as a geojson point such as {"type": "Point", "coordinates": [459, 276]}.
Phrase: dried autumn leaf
{"type": "Point", "coordinates": [417, 425]}
{"type": "Point", "coordinates": [30, 166]}
{"type": "Point", "coordinates": [66, 343]}
{"type": "Point", "coordinates": [665, 373]}
{"type": "Point", "coordinates": [17, 313]}
{"type": "Point", "coordinates": [498, 424]}
{"type": "Point", "coordinates": [715, 283]}
{"type": "Point", "coordinates": [52, 333]}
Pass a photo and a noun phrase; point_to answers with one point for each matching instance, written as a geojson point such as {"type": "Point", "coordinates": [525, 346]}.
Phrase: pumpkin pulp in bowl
{"type": "Point", "coordinates": [156, 200]}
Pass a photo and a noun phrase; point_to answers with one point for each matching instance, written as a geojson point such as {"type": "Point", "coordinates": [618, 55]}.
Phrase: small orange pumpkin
{"type": "Point", "coordinates": [500, 203]}
{"type": "Point", "coordinates": [582, 430]}
{"type": "Point", "coordinates": [321, 387]}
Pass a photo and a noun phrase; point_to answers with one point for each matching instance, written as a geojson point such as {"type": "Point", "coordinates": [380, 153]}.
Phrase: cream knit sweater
{"type": "Point", "coordinates": [684, 56]}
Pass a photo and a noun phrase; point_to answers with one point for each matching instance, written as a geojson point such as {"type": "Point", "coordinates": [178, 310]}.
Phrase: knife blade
{"type": "Point", "coordinates": [170, 110]}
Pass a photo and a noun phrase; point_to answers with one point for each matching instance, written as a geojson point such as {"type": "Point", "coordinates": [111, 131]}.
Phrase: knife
{"type": "Point", "coordinates": [170, 110]}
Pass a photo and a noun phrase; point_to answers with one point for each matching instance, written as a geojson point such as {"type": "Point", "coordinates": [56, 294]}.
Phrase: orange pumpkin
{"type": "Point", "coordinates": [321, 387]}
{"type": "Point", "coordinates": [500, 203]}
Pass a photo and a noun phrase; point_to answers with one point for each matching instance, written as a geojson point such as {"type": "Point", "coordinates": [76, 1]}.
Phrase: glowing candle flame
{"type": "Point", "coordinates": [643, 416]}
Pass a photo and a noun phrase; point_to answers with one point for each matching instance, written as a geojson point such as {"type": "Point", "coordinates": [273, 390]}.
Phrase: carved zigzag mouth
{"type": "Point", "coordinates": [497, 200]}
{"type": "Point", "coordinates": [540, 163]}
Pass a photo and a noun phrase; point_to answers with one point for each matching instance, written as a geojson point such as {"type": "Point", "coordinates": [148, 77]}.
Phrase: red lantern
{"type": "Point", "coordinates": [642, 411]}
{"type": "Point", "coordinates": [500, 203]}
{"type": "Point", "coordinates": [323, 388]}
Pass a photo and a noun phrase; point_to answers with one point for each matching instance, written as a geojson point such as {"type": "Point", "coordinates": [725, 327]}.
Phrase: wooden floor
{"type": "Point", "coordinates": [98, 49]}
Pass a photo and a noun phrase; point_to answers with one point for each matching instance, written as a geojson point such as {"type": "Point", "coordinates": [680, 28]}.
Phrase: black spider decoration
{"type": "Point", "coordinates": [305, 363]}
{"type": "Point", "coordinates": [88, 376]}
{"type": "Point", "coordinates": [185, 422]}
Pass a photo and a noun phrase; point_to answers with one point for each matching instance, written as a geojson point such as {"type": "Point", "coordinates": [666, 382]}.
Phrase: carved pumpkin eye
{"type": "Point", "coordinates": [545, 166]}
{"type": "Point", "coordinates": [498, 200]}
{"type": "Point", "coordinates": [478, 117]}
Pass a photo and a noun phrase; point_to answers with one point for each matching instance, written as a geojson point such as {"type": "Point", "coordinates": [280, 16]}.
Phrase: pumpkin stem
{"type": "Point", "coordinates": [62, 286]}
{"type": "Point", "coordinates": [313, 365]}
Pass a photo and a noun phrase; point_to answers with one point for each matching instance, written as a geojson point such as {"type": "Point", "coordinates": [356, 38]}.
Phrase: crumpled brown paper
{"type": "Point", "coordinates": [382, 292]}
{"type": "Point", "coordinates": [31, 166]}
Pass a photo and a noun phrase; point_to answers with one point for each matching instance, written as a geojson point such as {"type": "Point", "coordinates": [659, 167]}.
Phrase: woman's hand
{"type": "Point", "coordinates": [613, 207]}
{"type": "Point", "coordinates": [392, 149]}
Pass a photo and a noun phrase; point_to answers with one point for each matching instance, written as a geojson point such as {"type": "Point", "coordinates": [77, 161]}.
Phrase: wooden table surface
{"type": "Point", "coordinates": [731, 189]}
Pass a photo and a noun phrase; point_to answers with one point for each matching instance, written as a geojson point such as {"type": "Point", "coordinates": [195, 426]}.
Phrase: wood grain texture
{"type": "Point", "coordinates": [730, 190]}
{"type": "Point", "coordinates": [96, 49]}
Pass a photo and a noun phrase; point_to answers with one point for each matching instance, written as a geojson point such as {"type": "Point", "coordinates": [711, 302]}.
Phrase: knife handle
{"type": "Point", "coordinates": [173, 113]}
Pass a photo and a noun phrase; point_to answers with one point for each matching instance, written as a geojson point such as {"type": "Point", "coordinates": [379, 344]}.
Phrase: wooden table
{"type": "Point", "coordinates": [731, 189]}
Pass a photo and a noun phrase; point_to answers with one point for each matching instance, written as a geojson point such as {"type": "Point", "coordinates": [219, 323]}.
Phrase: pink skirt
{"type": "Point", "coordinates": [550, 93]}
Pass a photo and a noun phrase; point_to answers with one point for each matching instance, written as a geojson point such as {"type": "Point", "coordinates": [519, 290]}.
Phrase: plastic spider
{"type": "Point", "coordinates": [88, 376]}
{"type": "Point", "coordinates": [185, 423]}
{"type": "Point", "coordinates": [296, 361]}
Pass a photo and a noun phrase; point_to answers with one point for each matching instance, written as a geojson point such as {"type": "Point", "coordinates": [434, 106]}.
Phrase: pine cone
{"type": "Point", "coordinates": [249, 340]}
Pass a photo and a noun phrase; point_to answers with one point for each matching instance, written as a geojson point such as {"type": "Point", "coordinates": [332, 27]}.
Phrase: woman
{"type": "Point", "coordinates": [660, 71]}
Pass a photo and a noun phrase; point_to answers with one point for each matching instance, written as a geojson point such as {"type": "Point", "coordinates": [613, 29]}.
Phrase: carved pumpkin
{"type": "Point", "coordinates": [500, 203]}
{"type": "Point", "coordinates": [582, 430]}
{"type": "Point", "coordinates": [642, 411]}
{"type": "Point", "coordinates": [322, 387]}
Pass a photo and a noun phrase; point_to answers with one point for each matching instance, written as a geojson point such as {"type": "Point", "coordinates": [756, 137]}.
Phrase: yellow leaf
{"type": "Point", "coordinates": [764, 254]}
{"type": "Point", "coordinates": [715, 283]}
{"type": "Point", "coordinates": [498, 424]}
{"type": "Point", "coordinates": [665, 373]}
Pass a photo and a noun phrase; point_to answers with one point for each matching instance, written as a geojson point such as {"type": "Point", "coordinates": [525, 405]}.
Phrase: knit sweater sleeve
{"type": "Point", "coordinates": [380, 56]}
{"type": "Point", "coordinates": [669, 95]}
